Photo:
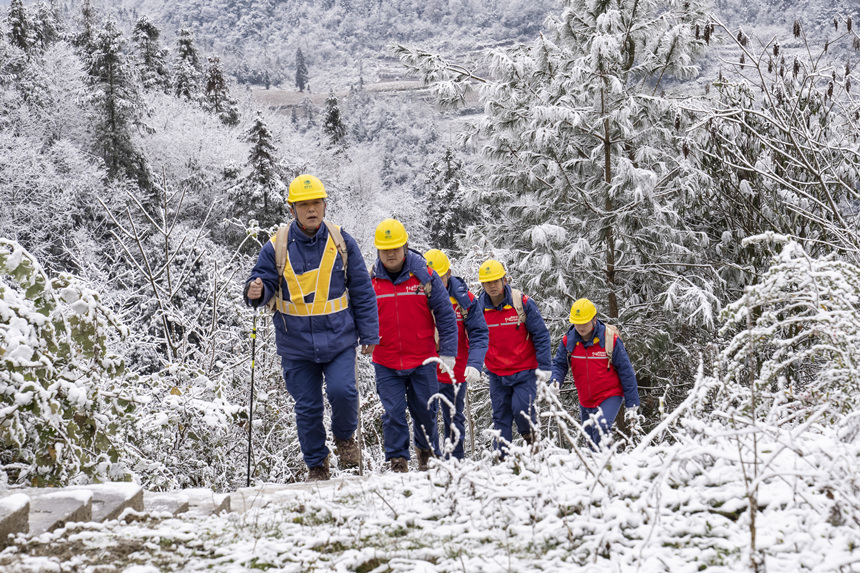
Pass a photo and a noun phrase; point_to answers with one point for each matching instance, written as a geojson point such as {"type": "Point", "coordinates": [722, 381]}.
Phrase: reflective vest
{"type": "Point", "coordinates": [462, 347]}
{"type": "Point", "coordinates": [511, 349]}
{"type": "Point", "coordinates": [406, 326]}
{"type": "Point", "coordinates": [594, 381]}
{"type": "Point", "coordinates": [309, 291]}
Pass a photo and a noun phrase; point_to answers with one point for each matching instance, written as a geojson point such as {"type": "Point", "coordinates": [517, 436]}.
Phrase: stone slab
{"type": "Point", "coordinates": [246, 498]}
{"type": "Point", "coordinates": [174, 503]}
{"type": "Point", "coordinates": [111, 499]}
{"type": "Point", "coordinates": [14, 515]}
{"type": "Point", "coordinates": [203, 501]}
{"type": "Point", "coordinates": [51, 509]}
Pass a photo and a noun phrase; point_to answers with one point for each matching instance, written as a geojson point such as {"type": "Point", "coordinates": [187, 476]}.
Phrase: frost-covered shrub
{"type": "Point", "coordinates": [63, 401]}
{"type": "Point", "coordinates": [797, 338]}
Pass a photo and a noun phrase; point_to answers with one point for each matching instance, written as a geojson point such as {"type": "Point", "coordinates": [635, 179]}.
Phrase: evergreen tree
{"type": "Point", "coordinates": [151, 57]}
{"type": "Point", "coordinates": [585, 176]}
{"type": "Point", "coordinates": [186, 74]}
{"type": "Point", "coordinates": [47, 25]}
{"type": "Point", "coordinates": [20, 32]}
{"type": "Point", "coordinates": [218, 100]}
{"type": "Point", "coordinates": [333, 125]}
{"type": "Point", "coordinates": [85, 38]}
{"type": "Point", "coordinates": [301, 71]}
{"type": "Point", "coordinates": [447, 216]}
{"type": "Point", "coordinates": [260, 195]}
{"type": "Point", "coordinates": [118, 104]}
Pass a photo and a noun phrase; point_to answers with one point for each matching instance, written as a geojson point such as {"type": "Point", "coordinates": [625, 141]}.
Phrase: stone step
{"type": "Point", "coordinates": [262, 495]}
{"type": "Point", "coordinates": [52, 508]}
{"type": "Point", "coordinates": [174, 503]}
{"type": "Point", "coordinates": [14, 516]}
{"type": "Point", "coordinates": [203, 501]}
{"type": "Point", "coordinates": [111, 499]}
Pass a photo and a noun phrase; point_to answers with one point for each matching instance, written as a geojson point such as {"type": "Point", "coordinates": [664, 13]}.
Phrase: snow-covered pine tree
{"type": "Point", "coordinates": [302, 77]}
{"type": "Point", "coordinates": [333, 125]}
{"type": "Point", "coordinates": [18, 22]}
{"type": "Point", "coordinates": [119, 106]}
{"type": "Point", "coordinates": [151, 57]}
{"type": "Point", "coordinates": [186, 71]}
{"type": "Point", "coordinates": [585, 171]}
{"type": "Point", "coordinates": [217, 98]}
{"type": "Point", "coordinates": [261, 195]}
{"type": "Point", "coordinates": [446, 215]}
{"type": "Point", "coordinates": [48, 27]}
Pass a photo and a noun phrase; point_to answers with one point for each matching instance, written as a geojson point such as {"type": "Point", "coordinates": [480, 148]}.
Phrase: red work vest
{"type": "Point", "coordinates": [406, 326]}
{"type": "Point", "coordinates": [462, 348]}
{"type": "Point", "coordinates": [511, 349]}
{"type": "Point", "coordinates": [594, 381]}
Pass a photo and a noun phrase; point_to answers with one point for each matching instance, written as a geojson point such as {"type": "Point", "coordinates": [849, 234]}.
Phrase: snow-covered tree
{"type": "Point", "coordinates": [447, 215]}
{"type": "Point", "coordinates": [218, 100]}
{"type": "Point", "coordinates": [119, 106]}
{"type": "Point", "coordinates": [47, 25]}
{"type": "Point", "coordinates": [151, 57]}
{"type": "Point", "coordinates": [333, 125]}
{"type": "Point", "coordinates": [302, 76]}
{"type": "Point", "coordinates": [20, 29]}
{"type": "Point", "coordinates": [586, 176]}
{"type": "Point", "coordinates": [262, 194]}
{"type": "Point", "coordinates": [186, 70]}
{"type": "Point", "coordinates": [781, 146]}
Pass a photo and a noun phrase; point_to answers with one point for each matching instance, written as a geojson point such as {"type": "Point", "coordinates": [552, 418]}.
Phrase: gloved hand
{"type": "Point", "coordinates": [449, 362]}
{"type": "Point", "coordinates": [543, 375]}
{"type": "Point", "coordinates": [554, 388]}
{"type": "Point", "coordinates": [472, 374]}
{"type": "Point", "coordinates": [631, 418]}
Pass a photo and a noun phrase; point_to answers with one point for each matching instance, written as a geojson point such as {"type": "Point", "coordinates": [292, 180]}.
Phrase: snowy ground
{"type": "Point", "coordinates": [682, 507]}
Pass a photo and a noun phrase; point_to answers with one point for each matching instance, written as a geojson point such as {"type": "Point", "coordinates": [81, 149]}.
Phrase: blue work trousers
{"type": "Point", "coordinates": [304, 380]}
{"type": "Point", "coordinates": [459, 402]}
{"type": "Point", "coordinates": [597, 422]}
{"type": "Point", "coordinates": [513, 400]}
{"type": "Point", "coordinates": [398, 391]}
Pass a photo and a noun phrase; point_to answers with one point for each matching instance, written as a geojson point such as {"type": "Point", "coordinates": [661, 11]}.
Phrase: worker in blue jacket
{"type": "Point", "coordinates": [472, 340]}
{"type": "Point", "coordinates": [324, 306]}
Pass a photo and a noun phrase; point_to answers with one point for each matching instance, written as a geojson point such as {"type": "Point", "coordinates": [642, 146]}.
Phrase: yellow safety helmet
{"type": "Point", "coordinates": [438, 261]}
{"type": "Point", "coordinates": [490, 271]}
{"type": "Point", "coordinates": [304, 188]}
{"type": "Point", "coordinates": [390, 234]}
{"type": "Point", "coordinates": [582, 311]}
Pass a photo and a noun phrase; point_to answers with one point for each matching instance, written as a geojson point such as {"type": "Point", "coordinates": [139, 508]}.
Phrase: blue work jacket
{"type": "Point", "coordinates": [534, 324]}
{"type": "Point", "coordinates": [319, 338]}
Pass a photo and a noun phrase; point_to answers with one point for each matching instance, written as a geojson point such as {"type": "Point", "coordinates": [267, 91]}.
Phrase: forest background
{"type": "Point", "coordinates": [693, 169]}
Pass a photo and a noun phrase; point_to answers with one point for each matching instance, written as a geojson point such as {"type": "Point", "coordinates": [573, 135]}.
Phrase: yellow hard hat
{"type": "Point", "coordinates": [304, 188]}
{"type": "Point", "coordinates": [390, 234]}
{"type": "Point", "coordinates": [582, 311]}
{"type": "Point", "coordinates": [438, 261]}
{"type": "Point", "coordinates": [490, 271]}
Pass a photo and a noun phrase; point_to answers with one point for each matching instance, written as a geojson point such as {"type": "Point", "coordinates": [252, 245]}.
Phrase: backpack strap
{"type": "Point", "coordinates": [517, 299]}
{"type": "Point", "coordinates": [609, 337]}
{"type": "Point", "coordinates": [337, 237]}
{"type": "Point", "coordinates": [280, 262]}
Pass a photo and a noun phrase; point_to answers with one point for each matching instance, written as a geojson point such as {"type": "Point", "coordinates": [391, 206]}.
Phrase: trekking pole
{"type": "Point", "coordinates": [360, 432]}
{"type": "Point", "coordinates": [251, 399]}
{"type": "Point", "coordinates": [471, 420]}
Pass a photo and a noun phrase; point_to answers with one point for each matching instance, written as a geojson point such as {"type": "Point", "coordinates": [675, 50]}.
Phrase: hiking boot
{"type": "Point", "coordinates": [399, 465]}
{"type": "Point", "coordinates": [530, 440]}
{"type": "Point", "coordinates": [424, 459]}
{"type": "Point", "coordinates": [347, 452]}
{"type": "Point", "coordinates": [319, 473]}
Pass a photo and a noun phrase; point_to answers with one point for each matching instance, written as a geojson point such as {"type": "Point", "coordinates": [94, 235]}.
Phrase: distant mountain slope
{"type": "Point", "coordinates": [341, 39]}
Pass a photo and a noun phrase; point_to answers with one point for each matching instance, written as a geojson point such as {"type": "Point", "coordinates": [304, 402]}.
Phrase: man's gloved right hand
{"type": "Point", "coordinates": [472, 375]}
{"type": "Point", "coordinates": [449, 362]}
{"type": "Point", "coordinates": [554, 388]}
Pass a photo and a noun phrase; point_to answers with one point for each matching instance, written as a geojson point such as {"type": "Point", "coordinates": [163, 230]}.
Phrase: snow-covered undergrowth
{"type": "Point", "coordinates": [678, 507]}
